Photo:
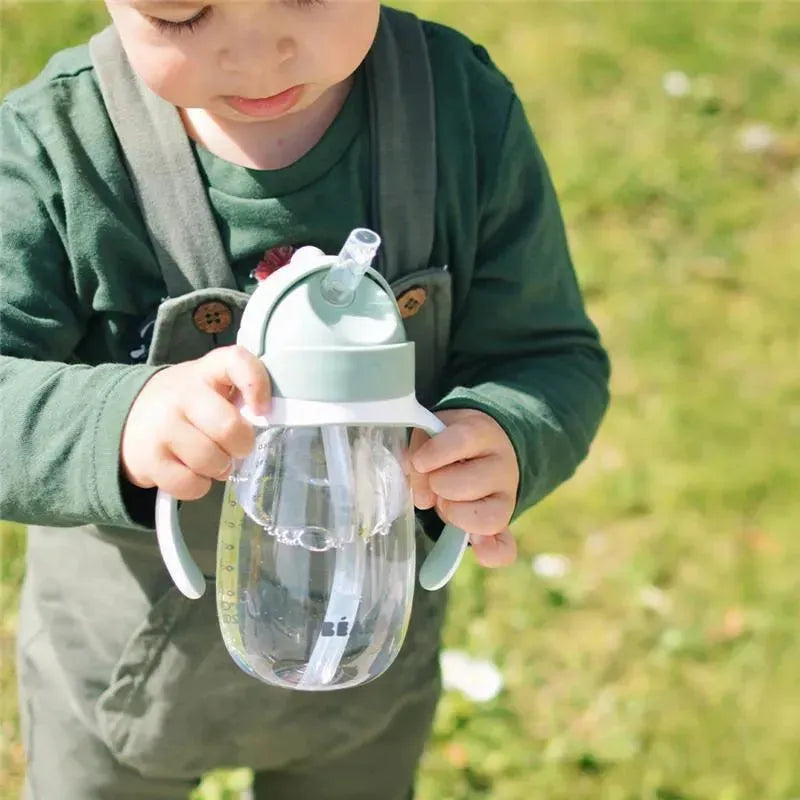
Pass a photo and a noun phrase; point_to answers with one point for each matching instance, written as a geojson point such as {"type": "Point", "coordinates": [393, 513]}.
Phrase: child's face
{"type": "Point", "coordinates": [244, 60]}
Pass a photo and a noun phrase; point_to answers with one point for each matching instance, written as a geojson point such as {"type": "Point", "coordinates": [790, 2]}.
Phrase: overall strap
{"type": "Point", "coordinates": [164, 174]}
{"type": "Point", "coordinates": [403, 141]}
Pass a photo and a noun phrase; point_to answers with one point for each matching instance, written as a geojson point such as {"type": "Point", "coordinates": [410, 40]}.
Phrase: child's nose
{"type": "Point", "coordinates": [257, 53]}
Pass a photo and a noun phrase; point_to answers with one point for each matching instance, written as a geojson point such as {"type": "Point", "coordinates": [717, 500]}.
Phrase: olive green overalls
{"type": "Point", "coordinates": [127, 691]}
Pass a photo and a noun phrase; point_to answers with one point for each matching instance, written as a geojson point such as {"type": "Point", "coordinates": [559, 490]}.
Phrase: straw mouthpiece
{"type": "Point", "coordinates": [355, 257]}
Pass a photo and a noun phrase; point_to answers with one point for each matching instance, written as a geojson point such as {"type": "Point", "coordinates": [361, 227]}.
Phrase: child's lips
{"type": "Point", "coordinates": [266, 107]}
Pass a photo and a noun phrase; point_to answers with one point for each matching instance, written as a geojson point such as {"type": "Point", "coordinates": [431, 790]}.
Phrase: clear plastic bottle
{"type": "Point", "coordinates": [315, 572]}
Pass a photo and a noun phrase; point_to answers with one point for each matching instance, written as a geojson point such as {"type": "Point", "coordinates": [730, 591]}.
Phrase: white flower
{"type": "Point", "coordinates": [756, 138]}
{"type": "Point", "coordinates": [655, 599]}
{"type": "Point", "coordinates": [676, 83]}
{"type": "Point", "coordinates": [479, 680]}
{"type": "Point", "coordinates": [551, 565]}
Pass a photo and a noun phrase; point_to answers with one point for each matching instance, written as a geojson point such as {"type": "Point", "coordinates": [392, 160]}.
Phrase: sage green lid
{"type": "Point", "coordinates": [318, 351]}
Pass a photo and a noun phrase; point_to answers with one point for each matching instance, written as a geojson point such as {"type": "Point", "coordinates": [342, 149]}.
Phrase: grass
{"type": "Point", "coordinates": [664, 665]}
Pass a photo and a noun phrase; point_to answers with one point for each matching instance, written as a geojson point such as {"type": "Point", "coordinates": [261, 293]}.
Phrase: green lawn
{"type": "Point", "coordinates": [665, 665]}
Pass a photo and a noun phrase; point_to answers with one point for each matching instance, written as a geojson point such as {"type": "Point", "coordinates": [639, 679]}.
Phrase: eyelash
{"type": "Point", "coordinates": [186, 26]}
{"type": "Point", "coordinates": [190, 25]}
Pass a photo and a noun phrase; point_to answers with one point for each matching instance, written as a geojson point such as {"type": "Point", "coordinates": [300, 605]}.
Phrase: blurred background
{"type": "Point", "coordinates": [645, 646]}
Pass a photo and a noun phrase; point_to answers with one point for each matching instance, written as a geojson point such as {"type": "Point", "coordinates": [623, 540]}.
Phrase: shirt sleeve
{"type": "Point", "coordinates": [523, 349]}
{"type": "Point", "coordinates": [61, 421]}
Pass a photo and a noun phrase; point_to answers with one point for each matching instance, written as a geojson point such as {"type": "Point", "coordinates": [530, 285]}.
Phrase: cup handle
{"type": "Point", "coordinates": [181, 567]}
{"type": "Point", "coordinates": [443, 560]}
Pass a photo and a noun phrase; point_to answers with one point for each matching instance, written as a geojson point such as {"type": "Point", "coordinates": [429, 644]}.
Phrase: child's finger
{"type": "Point", "coordinates": [423, 496]}
{"type": "Point", "coordinates": [197, 451]}
{"type": "Point", "coordinates": [448, 447]}
{"type": "Point", "coordinates": [179, 481]}
{"type": "Point", "coordinates": [484, 517]}
{"type": "Point", "coordinates": [495, 551]}
{"type": "Point", "coordinates": [236, 367]}
{"type": "Point", "coordinates": [469, 480]}
{"type": "Point", "coordinates": [467, 437]}
{"type": "Point", "coordinates": [221, 421]}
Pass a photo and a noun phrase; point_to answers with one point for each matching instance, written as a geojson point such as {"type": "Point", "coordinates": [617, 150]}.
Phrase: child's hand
{"type": "Point", "coordinates": [469, 472]}
{"type": "Point", "coordinates": [182, 430]}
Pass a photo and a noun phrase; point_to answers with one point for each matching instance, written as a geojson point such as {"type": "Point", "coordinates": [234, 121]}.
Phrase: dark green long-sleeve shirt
{"type": "Point", "coordinates": [78, 278]}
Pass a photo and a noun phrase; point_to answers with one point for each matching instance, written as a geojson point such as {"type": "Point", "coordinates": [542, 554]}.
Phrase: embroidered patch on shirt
{"type": "Point", "coordinates": [272, 261]}
{"type": "Point", "coordinates": [140, 337]}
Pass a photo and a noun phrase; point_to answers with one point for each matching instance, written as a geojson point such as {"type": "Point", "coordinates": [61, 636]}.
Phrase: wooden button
{"type": "Point", "coordinates": [213, 317]}
{"type": "Point", "coordinates": [411, 301]}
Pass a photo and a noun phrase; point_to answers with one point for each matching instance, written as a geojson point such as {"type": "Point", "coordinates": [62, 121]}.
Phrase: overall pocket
{"type": "Point", "coordinates": [177, 705]}
{"type": "Point", "coordinates": [425, 301]}
{"type": "Point", "coordinates": [191, 325]}
{"type": "Point", "coordinates": [135, 714]}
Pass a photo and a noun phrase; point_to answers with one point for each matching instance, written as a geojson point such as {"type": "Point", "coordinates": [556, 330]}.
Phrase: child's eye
{"type": "Point", "coordinates": [182, 26]}
{"type": "Point", "coordinates": [308, 3]}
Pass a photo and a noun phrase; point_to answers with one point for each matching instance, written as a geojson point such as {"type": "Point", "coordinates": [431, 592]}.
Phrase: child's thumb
{"type": "Point", "coordinates": [418, 438]}
{"type": "Point", "coordinates": [420, 488]}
